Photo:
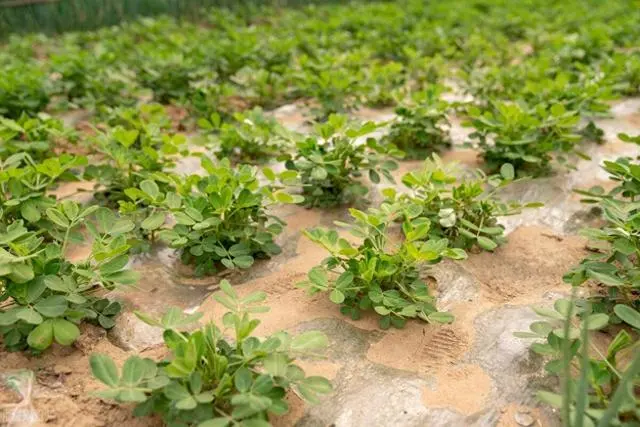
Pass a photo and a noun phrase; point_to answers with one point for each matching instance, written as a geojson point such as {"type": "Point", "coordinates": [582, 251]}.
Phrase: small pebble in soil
{"type": "Point", "coordinates": [524, 419]}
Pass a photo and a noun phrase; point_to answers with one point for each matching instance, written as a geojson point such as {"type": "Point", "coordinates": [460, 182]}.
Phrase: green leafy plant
{"type": "Point", "coordinates": [149, 207]}
{"type": "Point", "coordinates": [212, 380]}
{"type": "Point", "coordinates": [613, 262]}
{"type": "Point", "coordinates": [166, 72]}
{"type": "Point", "coordinates": [150, 120]}
{"type": "Point", "coordinates": [224, 222]}
{"type": "Point", "coordinates": [38, 136]}
{"type": "Point", "coordinates": [334, 90]}
{"type": "Point", "coordinates": [132, 154]}
{"type": "Point", "coordinates": [379, 273]}
{"type": "Point", "coordinates": [598, 388]}
{"type": "Point", "coordinates": [628, 138]}
{"type": "Point", "coordinates": [331, 162]}
{"type": "Point", "coordinates": [251, 137]}
{"type": "Point", "coordinates": [422, 127]}
{"type": "Point", "coordinates": [24, 186]}
{"type": "Point", "coordinates": [613, 265]}
{"type": "Point", "coordinates": [22, 90]}
{"type": "Point", "coordinates": [461, 208]}
{"type": "Point", "coordinates": [260, 86]}
{"type": "Point", "coordinates": [626, 173]}
{"type": "Point", "coordinates": [626, 72]}
{"type": "Point", "coordinates": [207, 98]}
{"type": "Point", "coordinates": [528, 138]}
{"type": "Point", "coordinates": [381, 80]}
{"type": "Point", "coordinates": [90, 79]}
{"type": "Point", "coordinates": [45, 295]}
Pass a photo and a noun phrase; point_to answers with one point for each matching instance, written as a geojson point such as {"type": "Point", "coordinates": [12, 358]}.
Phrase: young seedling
{"type": "Point", "coordinates": [464, 209]}
{"type": "Point", "coordinates": [422, 126]}
{"type": "Point", "coordinates": [24, 186]}
{"type": "Point", "coordinates": [331, 162]}
{"type": "Point", "coordinates": [529, 138]}
{"type": "Point", "coordinates": [379, 273]}
{"type": "Point", "coordinates": [135, 149]}
{"type": "Point", "coordinates": [210, 379]}
{"type": "Point", "coordinates": [252, 136]}
{"type": "Point", "coordinates": [224, 222]}
{"type": "Point", "coordinates": [46, 295]}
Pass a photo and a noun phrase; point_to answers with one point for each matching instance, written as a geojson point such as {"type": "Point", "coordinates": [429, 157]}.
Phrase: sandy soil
{"type": "Point", "coordinates": [519, 273]}
{"type": "Point", "coordinates": [531, 263]}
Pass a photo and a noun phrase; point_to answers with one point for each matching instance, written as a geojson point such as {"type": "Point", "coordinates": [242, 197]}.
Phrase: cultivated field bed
{"type": "Point", "coordinates": [205, 166]}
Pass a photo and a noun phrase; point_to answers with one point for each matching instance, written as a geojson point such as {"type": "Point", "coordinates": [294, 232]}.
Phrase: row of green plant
{"type": "Point", "coordinates": [599, 382]}
{"type": "Point", "coordinates": [533, 73]}
{"type": "Point", "coordinates": [226, 376]}
{"type": "Point", "coordinates": [222, 219]}
{"type": "Point", "coordinates": [267, 55]}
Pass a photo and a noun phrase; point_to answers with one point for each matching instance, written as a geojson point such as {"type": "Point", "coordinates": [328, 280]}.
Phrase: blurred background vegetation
{"type": "Point", "coordinates": [57, 16]}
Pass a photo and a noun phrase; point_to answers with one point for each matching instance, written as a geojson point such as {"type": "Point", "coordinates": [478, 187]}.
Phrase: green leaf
{"type": "Point", "coordinates": [243, 379]}
{"type": "Point", "coordinates": [283, 197]}
{"type": "Point", "coordinates": [628, 315]}
{"type": "Point", "coordinates": [215, 422]}
{"type": "Point", "coordinates": [184, 219]}
{"type": "Point", "coordinates": [382, 310]}
{"type": "Point", "coordinates": [121, 226]}
{"type": "Point", "coordinates": [187, 403]}
{"type": "Point", "coordinates": [21, 273]}
{"type": "Point", "coordinates": [318, 277]}
{"type": "Point", "coordinates": [124, 277]}
{"type": "Point", "coordinates": [552, 399]}
{"type": "Point", "coordinates": [244, 261]}
{"type": "Point", "coordinates": [30, 212]}
{"type": "Point", "coordinates": [104, 369]}
{"type": "Point", "coordinates": [605, 278]}
{"type": "Point", "coordinates": [70, 209]}
{"type": "Point", "coordinates": [310, 387]}
{"type": "Point", "coordinates": [310, 340]}
{"type": "Point", "coordinates": [8, 318]}
{"type": "Point", "coordinates": [55, 283]}
{"type": "Point", "coordinates": [541, 329]}
{"type": "Point", "coordinates": [53, 306]}
{"type": "Point", "coordinates": [507, 171]}
{"type": "Point", "coordinates": [319, 173]}
{"type": "Point", "coordinates": [597, 321]}
{"type": "Point", "coordinates": [65, 332]}
{"type": "Point", "coordinates": [336, 296]}
{"type": "Point", "coordinates": [154, 221]}
{"type": "Point", "coordinates": [374, 176]}
{"type": "Point", "coordinates": [125, 137]}
{"type": "Point", "coordinates": [557, 110]}
{"type": "Point", "coordinates": [276, 364]}
{"type": "Point", "coordinates": [29, 315]}
{"type": "Point", "coordinates": [42, 336]}
{"type": "Point", "coordinates": [132, 372]}
{"type": "Point", "coordinates": [269, 173]}
{"type": "Point", "coordinates": [114, 265]}
{"type": "Point", "coordinates": [57, 217]}
{"type": "Point", "coordinates": [486, 243]}
{"type": "Point", "coordinates": [441, 317]}
{"type": "Point", "coordinates": [132, 395]}
{"type": "Point", "coordinates": [344, 280]}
